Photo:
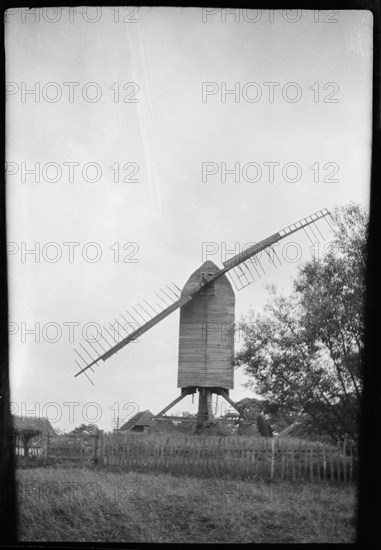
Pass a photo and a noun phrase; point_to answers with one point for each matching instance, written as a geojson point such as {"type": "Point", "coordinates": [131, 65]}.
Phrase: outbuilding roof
{"type": "Point", "coordinates": [142, 418]}
{"type": "Point", "coordinates": [32, 423]}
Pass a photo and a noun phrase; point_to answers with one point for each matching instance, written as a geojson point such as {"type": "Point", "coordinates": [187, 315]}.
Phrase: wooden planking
{"type": "Point", "coordinates": [206, 341]}
{"type": "Point", "coordinates": [247, 457]}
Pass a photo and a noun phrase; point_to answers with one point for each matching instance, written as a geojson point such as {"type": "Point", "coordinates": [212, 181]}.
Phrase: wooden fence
{"type": "Point", "coordinates": [35, 447]}
{"type": "Point", "coordinates": [58, 448]}
{"type": "Point", "coordinates": [269, 458]}
{"type": "Point", "coordinates": [232, 456]}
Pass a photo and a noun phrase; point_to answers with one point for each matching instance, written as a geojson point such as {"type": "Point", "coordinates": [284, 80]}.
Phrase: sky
{"type": "Point", "coordinates": [152, 133]}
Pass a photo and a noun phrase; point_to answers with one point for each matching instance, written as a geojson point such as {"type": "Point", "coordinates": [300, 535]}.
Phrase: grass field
{"type": "Point", "coordinates": [88, 505]}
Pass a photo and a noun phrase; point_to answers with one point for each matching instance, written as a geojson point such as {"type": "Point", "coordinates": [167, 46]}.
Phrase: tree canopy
{"type": "Point", "coordinates": [304, 351]}
{"type": "Point", "coordinates": [85, 429]}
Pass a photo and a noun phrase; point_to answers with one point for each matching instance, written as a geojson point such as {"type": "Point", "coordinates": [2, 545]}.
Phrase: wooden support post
{"type": "Point", "coordinates": [184, 393]}
{"type": "Point", "coordinates": [204, 408]}
{"type": "Point", "coordinates": [224, 394]}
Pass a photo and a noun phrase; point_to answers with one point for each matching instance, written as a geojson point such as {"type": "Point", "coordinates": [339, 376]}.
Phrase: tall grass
{"type": "Point", "coordinates": [87, 505]}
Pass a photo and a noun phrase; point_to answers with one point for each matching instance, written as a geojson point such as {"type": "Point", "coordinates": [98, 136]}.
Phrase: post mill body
{"type": "Point", "coordinates": [206, 340]}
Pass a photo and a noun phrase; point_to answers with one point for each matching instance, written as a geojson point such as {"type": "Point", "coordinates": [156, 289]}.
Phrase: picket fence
{"type": "Point", "coordinates": [232, 456]}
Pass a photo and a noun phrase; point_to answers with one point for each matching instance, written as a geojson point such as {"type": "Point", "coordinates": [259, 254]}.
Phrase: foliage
{"type": "Point", "coordinates": [304, 352]}
{"type": "Point", "coordinates": [85, 429]}
{"type": "Point", "coordinates": [60, 431]}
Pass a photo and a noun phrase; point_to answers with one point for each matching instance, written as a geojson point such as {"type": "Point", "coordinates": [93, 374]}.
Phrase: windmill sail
{"type": "Point", "coordinates": [103, 354]}
{"type": "Point", "coordinates": [134, 321]}
{"type": "Point", "coordinates": [256, 248]}
{"type": "Point", "coordinates": [241, 260]}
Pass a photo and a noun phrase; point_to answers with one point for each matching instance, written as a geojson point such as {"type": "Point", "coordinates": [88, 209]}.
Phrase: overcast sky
{"type": "Point", "coordinates": [128, 94]}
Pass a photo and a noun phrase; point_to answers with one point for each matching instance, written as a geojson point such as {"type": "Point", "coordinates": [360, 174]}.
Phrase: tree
{"type": "Point", "coordinates": [304, 352]}
{"type": "Point", "coordinates": [85, 429]}
{"type": "Point", "coordinates": [264, 426]}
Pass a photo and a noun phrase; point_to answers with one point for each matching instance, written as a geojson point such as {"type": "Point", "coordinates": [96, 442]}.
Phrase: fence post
{"type": "Point", "coordinates": [100, 451]}
{"type": "Point", "coordinates": [324, 465]}
{"type": "Point", "coordinates": [351, 461]}
{"type": "Point", "coordinates": [46, 447]}
{"type": "Point", "coordinates": [95, 447]}
{"type": "Point", "coordinates": [272, 458]}
{"type": "Point", "coordinates": [338, 461]}
{"type": "Point", "coordinates": [345, 459]}
{"type": "Point", "coordinates": [311, 453]}
{"type": "Point", "coordinates": [293, 464]}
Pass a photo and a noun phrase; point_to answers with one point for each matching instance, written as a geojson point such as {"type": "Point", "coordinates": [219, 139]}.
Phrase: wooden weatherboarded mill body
{"type": "Point", "coordinates": [206, 341]}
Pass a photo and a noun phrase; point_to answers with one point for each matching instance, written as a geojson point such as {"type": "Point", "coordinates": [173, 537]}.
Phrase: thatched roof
{"type": "Point", "coordinates": [142, 418]}
{"type": "Point", "coordinates": [32, 424]}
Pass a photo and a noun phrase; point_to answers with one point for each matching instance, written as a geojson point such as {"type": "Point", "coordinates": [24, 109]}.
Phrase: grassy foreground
{"type": "Point", "coordinates": [85, 505]}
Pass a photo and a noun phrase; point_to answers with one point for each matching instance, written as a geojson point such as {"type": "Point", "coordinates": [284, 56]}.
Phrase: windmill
{"type": "Point", "coordinates": [207, 303]}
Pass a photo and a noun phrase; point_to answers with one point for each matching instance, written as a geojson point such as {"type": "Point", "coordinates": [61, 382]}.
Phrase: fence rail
{"type": "Point", "coordinates": [243, 457]}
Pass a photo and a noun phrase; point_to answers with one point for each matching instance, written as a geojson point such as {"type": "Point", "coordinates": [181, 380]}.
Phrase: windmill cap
{"type": "Point", "coordinates": [195, 278]}
{"type": "Point", "coordinates": [209, 265]}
